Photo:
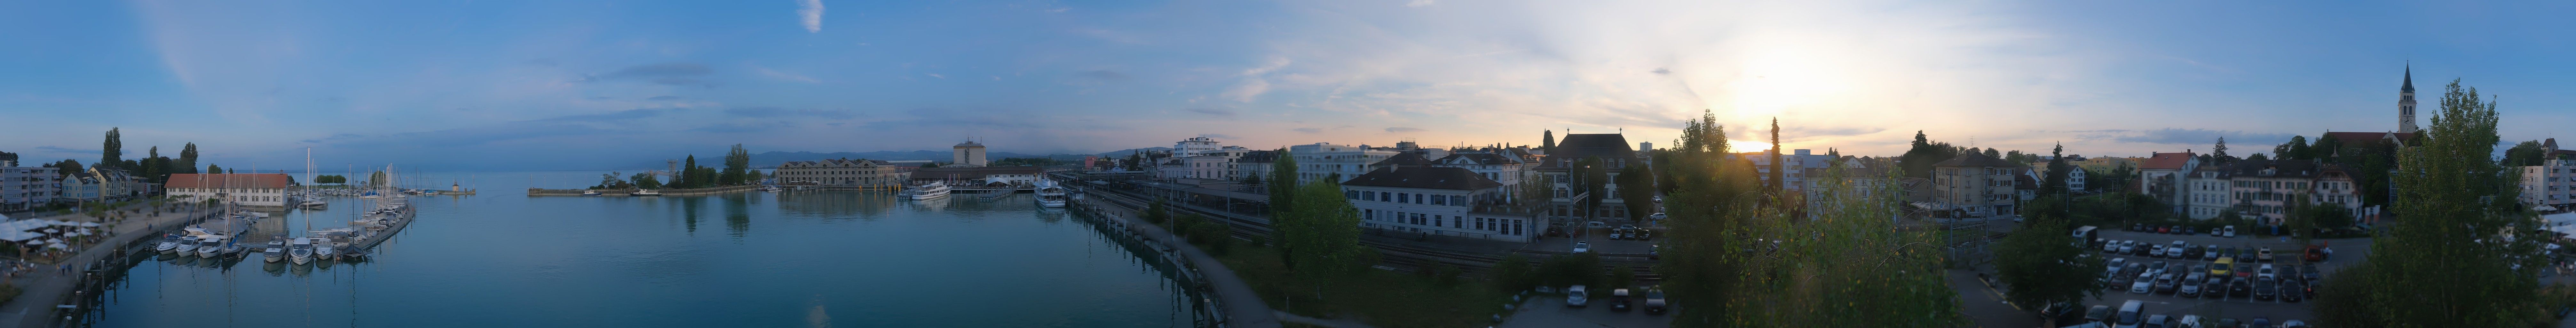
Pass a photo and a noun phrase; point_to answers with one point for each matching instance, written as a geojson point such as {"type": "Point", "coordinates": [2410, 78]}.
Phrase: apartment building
{"type": "Point", "coordinates": [1319, 160]}
{"type": "Point", "coordinates": [1448, 201]}
{"type": "Point", "coordinates": [842, 172]}
{"type": "Point", "coordinates": [245, 189]}
{"type": "Point", "coordinates": [1974, 185]}
{"type": "Point", "coordinates": [22, 188]}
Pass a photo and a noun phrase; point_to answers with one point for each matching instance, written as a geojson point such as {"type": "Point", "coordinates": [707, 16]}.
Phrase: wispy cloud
{"type": "Point", "coordinates": [776, 74]}
{"type": "Point", "coordinates": [810, 14]}
{"type": "Point", "coordinates": [683, 74]}
{"type": "Point", "coordinates": [1309, 130]}
{"type": "Point", "coordinates": [56, 149]}
{"type": "Point", "coordinates": [1219, 136]}
{"type": "Point", "coordinates": [1213, 111]}
{"type": "Point", "coordinates": [1402, 130]}
{"type": "Point", "coordinates": [765, 112]}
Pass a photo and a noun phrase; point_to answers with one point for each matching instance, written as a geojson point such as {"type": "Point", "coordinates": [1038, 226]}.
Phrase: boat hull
{"type": "Point", "coordinates": [303, 259]}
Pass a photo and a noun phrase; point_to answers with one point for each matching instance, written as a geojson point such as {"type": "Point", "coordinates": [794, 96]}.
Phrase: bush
{"type": "Point", "coordinates": [1447, 274]}
{"type": "Point", "coordinates": [1512, 274]}
{"type": "Point", "coordinates": [1569, 270]}
{"type": "Point", "coordinates": [1622, 277]}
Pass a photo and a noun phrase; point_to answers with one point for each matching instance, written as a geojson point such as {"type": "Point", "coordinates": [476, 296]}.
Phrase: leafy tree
{"type": "Point", "coordinates": [2042, 264]}
{"type": "Point", "coordinates": [646, 181]}
{"type": "Point", "coordinates": [2257, 156]}
{"type": "Point", "coordinates": [2324, 150]}
{"type": "Point", "coordinates": [112, 151]}
{"type": "Point", "coordinates": [737, 166]}
{"type": "Point", "coordinates": [2296, 148]}
{"type": "Point", "coordinates": [2219, 152]}
{"type": "Point", "coordinates": [2055, 183]}
{"type": "Point", "coordinates": [188, 159]}
{"type": "Point", "coordinates": [1591, 176]}
{"type": "Point", "coordinates": [1283, 189]}
{"type": "Point", "coordinates": [1918, 160]}
{"type": "Point", "coordinates": [66, 167]}
{"type": "Point", "coordinates": [1990, 152]}
{"type": "Point", "coordinates": [1547, 140]}
{"type": "Point", "coordinates": [1623, 277]}
{"type": "Point", "coordinates": [2444, 261]}
{"type": "Point", "coordinates": [8, 156]}
{"type": "Point", "coordinates": [2527, 153]}
{"type": "Point", "coordinates": [1779, 168]}
{"type": "Point", "coordinates": [1323, 239]}
{"type": "Point", "coordinates": [1637, 186]}
{"type": "Point", "coordinates": [1512, 274]}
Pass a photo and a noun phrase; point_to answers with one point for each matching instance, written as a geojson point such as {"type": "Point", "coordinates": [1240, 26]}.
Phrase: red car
{"type": "Point", "coordinates": [2164, 229]}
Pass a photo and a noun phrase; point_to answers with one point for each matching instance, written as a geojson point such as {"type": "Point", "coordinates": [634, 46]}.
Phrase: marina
{"type": "Point", "coordinates": [738, 259]}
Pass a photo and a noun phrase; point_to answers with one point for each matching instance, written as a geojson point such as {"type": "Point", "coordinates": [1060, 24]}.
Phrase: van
{"type": "Point", "coordinates": [2085, 232]}
{"type": "Point", "coordinates": [2130, 314]}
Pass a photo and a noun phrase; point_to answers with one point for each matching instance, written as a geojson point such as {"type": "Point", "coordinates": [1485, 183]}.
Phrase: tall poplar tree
{"type": "Point", "coordinates": [1778, 166]}
{"type": "Point", "coordinates": [112, 151]}
{"type": "Point", "coordinates": [2446, 259]}
{"type": "Point", "coordinates": [188, 158]}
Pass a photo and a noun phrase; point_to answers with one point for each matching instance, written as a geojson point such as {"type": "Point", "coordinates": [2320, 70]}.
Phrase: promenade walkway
{"type": "Point", "coordinates": [44, 288]}
{"type": "Point", "coordinates": [1243, 307]}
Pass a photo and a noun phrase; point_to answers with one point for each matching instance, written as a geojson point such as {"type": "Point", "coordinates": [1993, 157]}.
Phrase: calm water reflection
{"type": "Point", "coordinates": [803, 259]}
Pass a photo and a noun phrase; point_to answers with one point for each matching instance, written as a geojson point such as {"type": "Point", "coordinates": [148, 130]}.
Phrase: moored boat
{"type": "Point", "coordinates": [167, 247]}
{"type": "Point", "coordinates": [645, 192]}
{"type": "Point", "coordinates": [300, 250]}
{"type": "Point", "coordinates": [209, 246]}
{"type": "Point", "coordinates": [1050, 194]}
{"type": "Point", "coordinates": [272, 254]}
{"type": "Point", "coordinates": [187, 246]}
{"type": "Point", "coordinates": [928, 191]}
{"type": "Point", "coordinates": [590, 193]}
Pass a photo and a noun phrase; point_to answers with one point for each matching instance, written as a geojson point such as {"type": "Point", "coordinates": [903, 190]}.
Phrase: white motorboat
{"type": "Point", "coordinates": [272, 254]}
{"type": "Point", "coordinates": [590, 193]}
{"type": "Point", "coordinates": [928, 191]}
{"type": "Point", "coordinates": [300, 250]}
{"type": "Point", "coordinates": [645, 192]}
{"type": "Point", "coordinates": [187, 246]}
{"type": "Point", "coordinates": [769, 188]}
{"type": "Point", "coordinates": [322, 249]}
{"type": "Point", "coordinates": [315, 203]}
{"type": "Point", "coordinates": [1050, 194]}
{"type": "Point", "coordinates": [207, 247]}
{"type": "Point", "coordinates": [166, 247]}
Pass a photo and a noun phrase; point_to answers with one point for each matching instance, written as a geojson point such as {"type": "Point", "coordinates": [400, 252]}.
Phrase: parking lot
{"type": "Point", "coordinates": [2223, 305]}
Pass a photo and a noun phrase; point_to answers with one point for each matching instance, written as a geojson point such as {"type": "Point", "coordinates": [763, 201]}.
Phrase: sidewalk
{"type": "Point", "coordinates": [45, 287]}
{"type": "Point", "coordinates": [1243, 307]}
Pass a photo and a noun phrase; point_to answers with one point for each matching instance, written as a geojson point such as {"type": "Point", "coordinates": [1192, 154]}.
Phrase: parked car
{"type": "Point", "coordinates": [2213, 232]}
{"type": "Point", "coordinates": [1643, 234]}
{"type": "Point", "coordinates": [2163, 229]}
{"type": "Point", "coordinates": [2310, 273]}
{"type": "Point", "coordinates": [2210, 252]}
{"type": "Point", "coordinates": [1581, 247]}
{"type": "Point", "coordinates": [2165, 284]}
{"type": "Point", "coordinates": [2190, 284]}
{"type": "Point", "coordinates": [2245, 269]}
{"type": "Point", "coordinates": [2189, 321]}
{"type": "Point", "coordinates": [2111, 247]}
{"type": "Point", "coordinates": [2098, 313]}
{"type": "Point", "coordinates": [2128, 247]}
{"type": "Point", "coordinates": [2215, 287]}
{"type": "Point", "coordinates": [2239, 287]}
{"type": "Point", "coordinates": [2293, 324]}
{"type": "Point", "coordinates": [1654, 252]}
{"type": "Point", "coordinates": [1619, 300]}
{"type": "Point", "coordinates": [1575, 296]}
{"type": "Point", "coordinates": [2137, 227]}
{"type": "Point", "coordinates": [2157, 321]}
{"type": "Point", "coordinates": [2159, 267]}
{"type": "Point", "coordinates": [2265, 288]}
{"type": "Point", "coordinates": [2260, 322]}
{"type": "Point", "coordinates": [2221, 266]}
{"type": "Point", "coordinates": [2231, 231]}
{"type": "Point", "coordinates": [2175, 250]}
{"type": "Point", "coordinates": [2292, 290]}
{"type": "Point", "coordinates": [2263, 254]}
{"type": "Point", "coordinates": [2146, 283]}
{"type": "Point", "coordinates": [2265, 271]}
{"type": "Point", "coordinates": [2229, 323]}
{"type": "Point", "coordinates": [1655, 302]}
{"type": "Point", "coordinates": [2199, 268]}
{"type": "Point", "coordinates": [2130, 314]}
{"type": "Point", "coordinates": [1618, 235]}
{"type": "Point", "coordinates": [2193, 252]}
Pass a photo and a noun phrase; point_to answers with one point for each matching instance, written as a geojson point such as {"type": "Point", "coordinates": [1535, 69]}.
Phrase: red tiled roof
{"type": "Point", "coordinates": [243, 180]}
{"type": "Point", "coordinates": [2167, 161]}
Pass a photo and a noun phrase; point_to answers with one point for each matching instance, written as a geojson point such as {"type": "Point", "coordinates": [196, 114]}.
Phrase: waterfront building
{"type": "Point", "coordinates": [97, 184]}
{"type": "Point", "coordinates": [22, 188]}
{"type": "Point", "coordinates": [1198, 167]}
{"type": "Point", "coordinates": [246, 189]}
{"type": "Point", "coordinates": [968, 153]}
{"type": "Point", "coordinates": [979, 176]}
{"type": "Point", "coordinates": [1255, 163]}
{"type": "Point", "coordinates": [1973, 185]}
{"type": "Point", "coordinates": [2552, 184]}
{"type": "Point", "coordinates": [1446, 201]}
{"type": "Point", "coordinates": [842, 172]}
{"type": "Point", "coordinates": [1567, 202]}
{"type": "Point", "coordinates": [1319, 160]}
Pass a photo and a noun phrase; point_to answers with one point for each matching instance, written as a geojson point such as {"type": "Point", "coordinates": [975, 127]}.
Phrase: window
{"type": "Point", "coordinates": [1399, 198]}
{"type": "Point", "coordinates": [1439, 200]}
{"type": "Point", "coordinates": [1417, 198]}
{"type": "Point", "coordinates": [1350, 194]}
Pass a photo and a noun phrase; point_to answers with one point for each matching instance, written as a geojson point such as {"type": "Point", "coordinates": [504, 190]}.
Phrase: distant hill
{"type": "Point", "coordinates": [772, 159]}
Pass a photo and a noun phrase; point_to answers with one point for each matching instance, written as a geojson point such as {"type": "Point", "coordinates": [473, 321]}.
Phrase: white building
{"type": "Point", "coordinates": [2162, 175]}
{"type": "Point", "coordinates": [842, 172]}
{"type": "Point", "coordinates": [1194, 146]}
{"type": "Point", "coordinates": [248, 189]}
{"type": "Point", "coordinates": [2209, 195]}
{"type": "Point", "coordinates": [1199, 167]}
{"type": "Point", "coordinates": [1445, 201]}
{"type": "Point", "coordinates": [1318, 160]}
{"type": "Point", "coordinates": [2553, 183]}
{"type": "Point", "coordinates": [22, 188]}
{"type": "Point", "coordinates": [969, 153]}
{"type": "Point", "coordinates": [1798, 162]}
{"type": "Point", "coordinates": [1506, 166]}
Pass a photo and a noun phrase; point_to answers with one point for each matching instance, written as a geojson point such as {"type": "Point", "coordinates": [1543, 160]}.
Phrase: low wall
{"type": "Point", "coordinates": [623, 192]}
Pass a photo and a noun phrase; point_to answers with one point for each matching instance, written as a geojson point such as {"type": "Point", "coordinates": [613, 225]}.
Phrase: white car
{"type": "Point", "coordinates": [1575, 296]}
{"type": "Point", "coordinates": [2264, 271]}
{"type": "Point", "coordinates": [2128, 247]}
{"type": "Point", "coordinates": [2146, 283]}
{"type": "Point", "coordinates": [2111, 246]}
{"type": "Point", "coordinates": [2231, 231]}
{"type": "Point", "coordinates": [1581, 247]}
{"type": "Point", "coordinates": [2175, 250]}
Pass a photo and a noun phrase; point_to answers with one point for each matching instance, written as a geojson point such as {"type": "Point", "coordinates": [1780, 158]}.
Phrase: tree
{"type": "Point", "coordinates": [2296, 148]}
{"type": "Point", "coordinates": [2444, 261]}
{"type": "Point", "coordinates": [66, 167]}
{"type": "Point", "coordinates": [1547, 140]}
{"type": "Point", "coordinates": [2527, 153]}
{"type": "Point", "coordinates": [2057, 171]}
{"type": "Point", "coordinates": [213, 169]}
{"type": "Point", "coordinates": [2219, 152]}
{"type": "Point", "coordinates": [1779, 169]}
{"type": "Point", "coordinates": [1158, 213]}
{"type": "Point", "coordinates": [1323, 239]}
{"type": "Point", "coordinates": [1917, 161]}
{"type": "Point", "coordinates": [113, 151]}
{"type": "Point", "coordinates": [8, 156]}
{"type": "Point", "coordinates": [1845, 265]}
{"type": "Point", "coordinates": [642, 181]}
{"type": "Point", "coordinates": [188, 158]}
{"type": "Point", "coordinates": [1638, 187]}
{"type": "Point", "coordinates": [2042, 265]}
{"type": "Point", "coordinates": [2257, 156]}
{"type": "Point", "coordinates": [1512, 274]}
{"type": "Point", "coordinates": [737, 166]}
{"type": "Point", "coordinates": [1591, 176]}
{"type": "Point", "coordinates": [2325, 149]}
{"type": "Point", "coordinates": [1622, 277]}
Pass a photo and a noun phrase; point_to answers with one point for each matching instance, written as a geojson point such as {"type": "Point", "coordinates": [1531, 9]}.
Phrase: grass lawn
{"type": "Point", "coordinates": [1377, 297]}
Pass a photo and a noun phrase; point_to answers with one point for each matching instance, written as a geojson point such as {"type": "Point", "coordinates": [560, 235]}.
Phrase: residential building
{"type": "Point", "coordinates": [2268, 190]}
{"type": "Point", "coordinates": [1974, 185]}
{"type": "Point", "coordinates": [842, 172]}
{"type": "Point", "coordinates": [1797, 163]}
{"type": "Point", "coordinates": [1863, 183]}
{"type": "Point", "coordinates": [23, 188]}
{"type": "Point", "coordinates": [1446, 201]}
{"type": "Point", "coordinates": [1504, 166]}
{"type": "Point", "coordinates": [2075, 180]}
{"type": "Point", "coordinates": [1194, 146]}
{"type": "Point", "coordinates": [969, 153]}
{"type": "Point", "coordinates": [1255, 163]}
{"type": "Point", "coordinates": [2209, 193]}
{"type": "Point", "coordinates": [1319, 160]}
{"type": "Point", "coordinates": [1198, 167]}
{"type": "Point", "coordinates": [2102, 164]}
{"type": "Point", "coordinates": [245, 189]}
{"type": "Point", "coordinates": [1568, 202]}
{"type": "Point", "coordinates": [2552, 184]}
{"type": "Point", "coordinates": [2161, 176]}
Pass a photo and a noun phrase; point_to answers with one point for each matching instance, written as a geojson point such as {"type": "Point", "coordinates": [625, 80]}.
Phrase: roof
{"type": "Point", "coordinates": [2167, 161]}
{"type": "Point", "coordinates": [1606, 145]}
{"type": "Point", "coordinates": [1485, 158]}
{"type": "Point", "coordinates": [2410, 79]}
{"type": "Point", "coordinates": [1404, 159]}
{"type": "Point", "coordinates": [1975, 159]}
{"type": "Point", "coordinates": [1450, 178]}
{"type": "Point", "coordinates": [1856, 172]}
{"type": "Point", "coordinates": [2024, 182]}
{"type": "Point", "coordinates": [834, 162]}
{"type": "Point", "coordinates": [969, 144]}
{"type": "Point", "coordinates": [2280, 168]}
{"type": "Point", "coordinates": [239, 180]}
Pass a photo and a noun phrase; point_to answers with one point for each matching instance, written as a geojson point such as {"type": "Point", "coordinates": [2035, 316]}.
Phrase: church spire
{"type": "Point", "coordinates": [2410, 79]}
{"type": "Point", "coordinates": [2406, 102]}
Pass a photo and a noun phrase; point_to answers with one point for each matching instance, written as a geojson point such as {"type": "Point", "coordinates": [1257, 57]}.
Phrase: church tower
{"type": "Point", "coordinates": [2406, 103]}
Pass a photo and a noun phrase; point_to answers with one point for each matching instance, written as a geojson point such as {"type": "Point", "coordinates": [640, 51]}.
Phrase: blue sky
{"type": "Point", "coordinates": [606, 84]}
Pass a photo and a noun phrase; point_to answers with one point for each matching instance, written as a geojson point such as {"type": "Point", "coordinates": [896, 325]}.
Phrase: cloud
{"type": "Point", "coordinates": [1419, 3]}
{"type": "Point", "coordinates": [1251, 87]}
{"type": "Point", "coordinates": [1213, 111]}
{"type": "Point", "coordinates": [936, 75]}
{"type": "Point", "coordinates": [1402, 130]}
{"type": "Point", "coordinates": [765, 71]}
{"type": "Point", "coordinates": [1103, 75]}
{"type": "Point", "coordinates": [782, 112]}
{"type": "Point", "coordinates": [54, 149]}
{"type": "Point", "coordinates": [1219, 136]}
{"type": "Point", "coordinates": [741, 127]}
{"type": "Point", "coordinates": [1310, 130]}
{"type": "Point", "coordinates": [2199, 137]}
{"type": "Point", "coordinates": [810, 13]}
{"type": "Point", "coordinates": [605, 117]}
{"type": "Point", "coordinates": [683, 74]}
{"type": "Point", "coordinates": [663, 98]}
{"type": "Point", "coordinates": [1663, 71]}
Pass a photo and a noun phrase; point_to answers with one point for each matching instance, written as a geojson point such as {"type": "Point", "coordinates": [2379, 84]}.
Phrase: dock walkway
{"type": "Point", "coordinates": [1243, 307]}
{"type": "Point", "coordinates": [43, 289]}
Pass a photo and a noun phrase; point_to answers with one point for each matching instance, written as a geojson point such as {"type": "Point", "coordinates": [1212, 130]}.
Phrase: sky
{"type": "Point", "coordinates": [492, 85]}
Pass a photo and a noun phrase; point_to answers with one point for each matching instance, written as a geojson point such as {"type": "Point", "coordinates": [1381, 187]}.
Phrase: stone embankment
{"type": "Point", "coordinates": [665, 192]}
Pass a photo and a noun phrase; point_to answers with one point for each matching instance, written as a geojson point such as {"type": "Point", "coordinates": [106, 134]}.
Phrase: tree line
{"type": "Point", "coordinates": [736, 171]}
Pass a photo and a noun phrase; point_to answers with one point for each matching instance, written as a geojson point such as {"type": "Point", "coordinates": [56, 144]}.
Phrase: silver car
{"type": "Point", "coordinates": [2146, 283]}
{"type": "Point", "coordinates": [2175, 250]}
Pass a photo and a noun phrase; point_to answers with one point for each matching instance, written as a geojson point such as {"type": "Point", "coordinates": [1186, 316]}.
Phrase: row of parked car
{"type": "Point", "coordinates": [2182, 250]}
{"type": "Point", "coordinates": [2222, 231]}
{"type": "Point", "coordinates": [1581, 296]}
{"type": "Point", "coordinates": [2132, 314]}
{"type": "Point", "coordinates": [2287, 283]}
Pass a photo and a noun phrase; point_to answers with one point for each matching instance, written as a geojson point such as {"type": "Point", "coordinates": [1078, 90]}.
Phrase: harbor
{"type": "Point", "coordinates": [787, 258]}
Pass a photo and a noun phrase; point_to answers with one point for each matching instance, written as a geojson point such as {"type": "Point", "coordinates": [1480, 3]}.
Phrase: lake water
{"type": "Point", "coordinates": [759, 259]}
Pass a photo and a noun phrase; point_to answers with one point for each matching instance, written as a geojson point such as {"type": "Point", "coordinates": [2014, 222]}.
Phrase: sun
{"type": "Point", "coordinates": [1774, 80]}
